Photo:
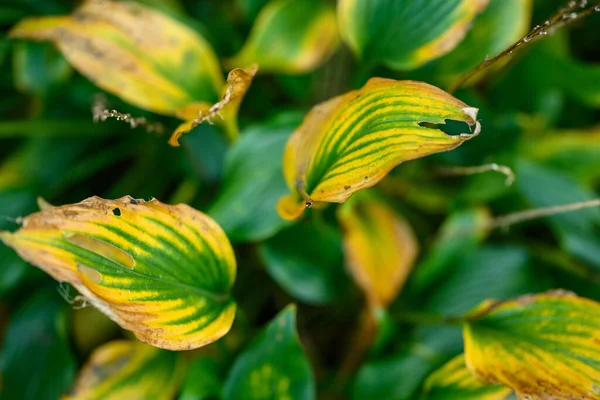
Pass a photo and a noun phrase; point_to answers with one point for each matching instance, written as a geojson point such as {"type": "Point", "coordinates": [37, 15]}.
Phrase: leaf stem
{"type": "Point", "coordinates": [507, 220]}
{"type": "Point", "coordinates": [563, 17]}
{"type": "Point", "coordinates": [479, 169]}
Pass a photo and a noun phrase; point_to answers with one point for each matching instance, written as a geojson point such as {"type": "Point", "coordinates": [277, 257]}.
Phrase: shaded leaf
{"type": "Point", "coordinates": [246, 207]}
{"type": "Point", "coordinates": [454, 381]}
{"type": "Point", "coordinates": [380, 247]}
{"type": "Point", "coordinates": [202, 380]}
{"type": "Point", "coordinates": [577, 231]}
{"type": "Point", "coordinates": [306, 260]}
{"type": "Point", "coordinates": [291, 37]}
{"type": "Point", "coordinates": [128, 370]}
{"type": "Point", "coordinates": [36, 361]}
{"type": "Point", "coordinates": [352, 141]}
{"type": "Point", "coordinates": [574, 151]}
{"type": "Point", "coordinates": [459, 234]}
{"type": "Point", "coordinates": [405, 34]}
{"type": "Point", "coordinates": [542, 346]}
{"type": "Point", "coordinates": [141, 55]}
{"type": "Point", "coordinates": [273, 366]}
{"type": "Point", "coordinates": [38, 67]}
{"type": "Point", "coordinates": [162, 271]}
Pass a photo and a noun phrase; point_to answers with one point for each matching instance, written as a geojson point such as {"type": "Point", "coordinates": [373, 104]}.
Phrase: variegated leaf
{"type": "Point", "coordinates": [164, 272]}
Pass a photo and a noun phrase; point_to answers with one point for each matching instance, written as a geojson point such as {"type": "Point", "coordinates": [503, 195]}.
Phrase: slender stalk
{"type": "Point", "coordinates": [514, 218]}
{"type": "Point", "coordinates": [455, 171]}
{"type": "Point", "coordinates": [574, 10]}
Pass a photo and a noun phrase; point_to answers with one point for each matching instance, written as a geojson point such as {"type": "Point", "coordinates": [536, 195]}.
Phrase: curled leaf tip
{"type": "Point", "coordinates": [224, 112]}
{"type": "Point", "coordinates": [352, 141]}
{"type": "Point", "coordinates": [162, 271]}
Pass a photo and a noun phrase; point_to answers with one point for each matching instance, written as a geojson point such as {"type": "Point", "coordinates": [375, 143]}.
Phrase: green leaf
{"type": "Point", "coordinates": [164, 272]}
{"type": "Point", "coordinates": [125, 369]}
{"type": "Point", "coordinates": [577, 231]}
{"type": "Point", "coordinates": [576, 152]}
{"type": "Point", "coordinates": [460, 233]}
{"type": "Point", "coordinates": [291, 37]}
{"type": "Point", "coordinates": [542, 346]}
{"type": "Point", "coordinates": [38, 67]}
{"type": "Point", "coordinates": [350, 142]}
{"type": "Point", "coordinates": [36, 361]}
{"type": "Point", "coordinates": [202, 380]}
{"type": "Point", "coordinates": [306, 260]}
{"type": "Point", "coordinates": [454, 381]}
{"type": "Point", "coordinates": [500, 271]}
{"type": "Point", "coordinates": [246, 207]}
{"type": "Point", "coordinates": [405, 34]}
{"type": "Point", "coordinates": [273, 366]}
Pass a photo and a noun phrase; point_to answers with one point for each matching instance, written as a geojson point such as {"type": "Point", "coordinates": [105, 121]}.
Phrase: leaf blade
{"type": "Point", "coordinates": [352, 141]}
{"type": "Point", "coordinates": [539, 345]}
{"type": "Point", "coordinates": [172, 291]}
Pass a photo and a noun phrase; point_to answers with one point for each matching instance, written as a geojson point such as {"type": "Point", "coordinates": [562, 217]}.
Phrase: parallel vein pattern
{"type": "Point", "coordinates": [352, 141]}
{"type": "Point", "coordinates": [162, 271]}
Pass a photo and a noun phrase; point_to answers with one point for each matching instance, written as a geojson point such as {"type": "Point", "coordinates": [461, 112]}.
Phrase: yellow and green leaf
{"type": "Point", "coordinates": [162, 271]}
{"type": "Point", "coordinates": [224, 112]}
{"type": "Point", "coordinates": [454, 381]}
{"type": "Point", "coordinates": [352, 141]}
{"type": "Point", "coordinates": [542, 346]}
{"type": "Point", "coordinates": [141, 55]}
{"type": "Point", "coordinates": [126, 369]}
{"type": "Point", "coordinates": [405, 34]}
{"type": "Point", "coordinates": [291, 37]}
{"type": "Point", "coordinates": [379, 245]}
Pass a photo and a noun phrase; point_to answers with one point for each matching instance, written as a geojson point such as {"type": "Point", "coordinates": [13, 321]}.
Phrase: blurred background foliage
{"type": "Point", "coordinates": [540, 116]}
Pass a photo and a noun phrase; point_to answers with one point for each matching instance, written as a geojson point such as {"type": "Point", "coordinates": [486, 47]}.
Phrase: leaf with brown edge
{"type": "Point", "coordinates": [454, 381]}
{"type": "Point", "coordinates": [224, 112]}
{"type": "Point", "coordinates": [147, 58]}
{"type": "Point", "coordinates": [352, 141]}
{"type": "Point", "coordinates": [543, 346]}
{"type": "Point", "coordinates": [127, 369]}
{"type": "Point", "coordinates": [379, 245]}
{"type": "Point", "coordinates": [162, 271]}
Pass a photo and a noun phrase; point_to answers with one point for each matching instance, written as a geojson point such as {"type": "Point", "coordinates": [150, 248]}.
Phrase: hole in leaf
{"type": "Point", "coordinates": [451, 127]}
{"type": "Point", "coordinates": [101, 248]}
{"type": "Point", "coordinates": [90, 273]}
{"type": "Point", "coordinates": [117, 211]}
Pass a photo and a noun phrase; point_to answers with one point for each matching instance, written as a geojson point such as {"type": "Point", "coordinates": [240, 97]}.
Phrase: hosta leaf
{"type": "Point", "coordinates": [273, 366]}
{"type": "Point", "coordinates": [291, 36]}
{"type": "Point", "coordinates": [128, 370]}
{"type": "Point", "coordinates": [352, 141]}
{"type": "Point", "coordinates": [139, 54]}
{"type": "Point", "coordinates": [246, 206]}
{"type": "Point", "coordinates": [306, 260]}
{"type": "Point", "coordinates": [405, 34]}
{"type": "Point", "coordinates": [39, 67]}
{"type": "Point", "coordinates": [202, 381]}
{"type": "Point", "coordinates": [542, 346]}
{"type": "Point", "coordinates": [36, 362]}
{"type": "Point", "coordinates": [454, 381]}
{"type": "Point", "coordinates": [162, 271]}
{"type": "Point", "coordinates": [380, 247]}
{"type": "Point", "coordinates": [501, 24]}
{"type": "Point", "coordinates": [574, 151]}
